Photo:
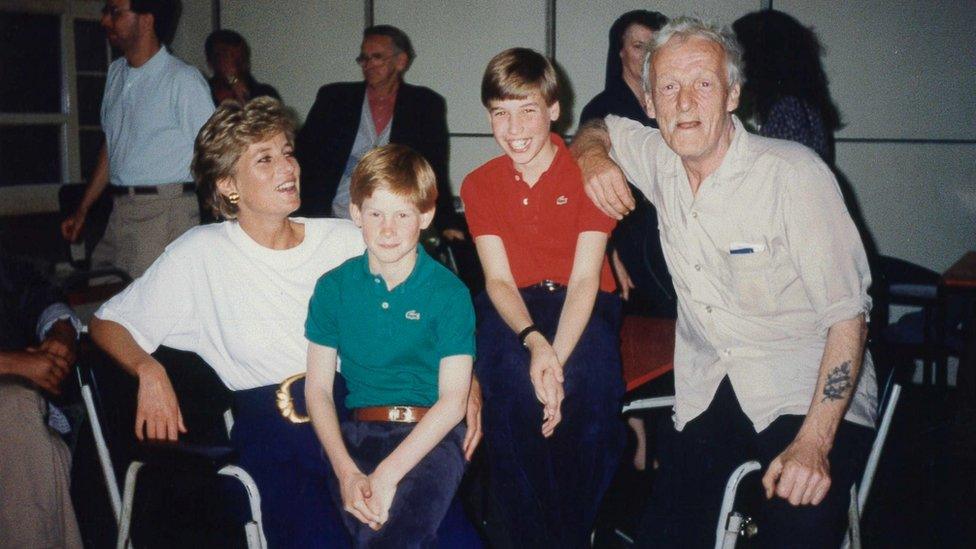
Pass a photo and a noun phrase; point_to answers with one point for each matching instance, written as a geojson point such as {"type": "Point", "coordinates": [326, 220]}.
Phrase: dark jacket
{"type": "Point", "coordinates": [324, 143]}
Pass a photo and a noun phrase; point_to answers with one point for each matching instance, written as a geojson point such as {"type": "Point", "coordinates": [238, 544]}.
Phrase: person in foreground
{"type": "Point", "coordinates": [38, 335]}
{"type": "Point", "coordinates": [399, 460]}
{"type": "Point", "coordinates": [772, 282]}
{"type": "Point", "coordinates": [236, 293]}
{"type": "Point", "coordinates": [548, 356]}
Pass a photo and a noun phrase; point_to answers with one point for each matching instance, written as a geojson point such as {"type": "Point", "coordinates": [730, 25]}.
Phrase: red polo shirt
{"type": "Point", "coordinates": [539, 225]}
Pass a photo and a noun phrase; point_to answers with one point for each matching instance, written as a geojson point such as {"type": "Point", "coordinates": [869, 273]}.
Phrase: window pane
{"type": "Point", "coordinates": [90, 90]}
{"type": "Point", "coordinates": [30, 154]}
{"type": "Point", "coordinates": [30, 62]}
{"type": "Point", "coordinates": [90, 51]}
{"type": "Point", "coordinates": [90, 142]}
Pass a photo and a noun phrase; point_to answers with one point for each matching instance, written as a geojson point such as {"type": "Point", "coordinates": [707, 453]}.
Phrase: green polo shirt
{"type": "Point", "coordinates": [391, 342]}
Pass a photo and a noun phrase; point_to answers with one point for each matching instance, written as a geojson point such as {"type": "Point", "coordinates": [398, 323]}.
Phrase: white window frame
{"type": "Point", "coordinates": [43, 197]}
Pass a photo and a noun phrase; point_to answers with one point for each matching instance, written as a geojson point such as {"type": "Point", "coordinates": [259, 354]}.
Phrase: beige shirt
{"type": "Point", "coordinates": [765, 258]}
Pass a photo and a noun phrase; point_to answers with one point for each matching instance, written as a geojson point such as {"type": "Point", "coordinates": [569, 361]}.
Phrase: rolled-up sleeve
{"type": "Point", "coordinates": [633, 146]}
{"type": "Point", "coordinates": [825, 245]}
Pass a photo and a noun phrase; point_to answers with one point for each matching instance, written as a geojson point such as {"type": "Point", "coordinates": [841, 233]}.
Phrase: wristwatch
{"type": "Point", "coordinates": [524, 334]}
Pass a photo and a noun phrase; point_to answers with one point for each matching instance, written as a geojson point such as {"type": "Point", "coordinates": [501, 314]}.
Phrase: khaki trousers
{"type": "Point", "coordinates": [142, 225]}
{"type": "Point", "coordinates": [35, 473]}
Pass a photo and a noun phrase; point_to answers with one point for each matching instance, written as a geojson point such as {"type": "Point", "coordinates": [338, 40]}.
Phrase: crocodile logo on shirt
{"type": "Point", "coordinates": [562, 200]}
{"type": "Point", "coordinates": [412, 315]}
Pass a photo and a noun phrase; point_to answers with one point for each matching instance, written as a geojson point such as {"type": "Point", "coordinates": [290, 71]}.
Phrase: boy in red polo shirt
{"type": "Point", "coordinates": [547, 344]}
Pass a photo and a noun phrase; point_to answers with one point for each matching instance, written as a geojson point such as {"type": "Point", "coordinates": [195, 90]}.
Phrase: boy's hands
{"type": "Point", "coordinates": [384, 488]}
{"type": "Point", "coordinates": [356, 490]}
{"type": "Point", "coordinates": [546, 374]}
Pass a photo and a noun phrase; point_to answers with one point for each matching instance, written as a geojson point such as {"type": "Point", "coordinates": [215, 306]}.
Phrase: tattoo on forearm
{"type": "Point", "coordinates": [838, 382]}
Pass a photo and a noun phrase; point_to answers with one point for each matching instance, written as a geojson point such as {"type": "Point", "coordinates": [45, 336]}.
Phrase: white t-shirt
{"type": "Point", "coordinates": [237, 304]}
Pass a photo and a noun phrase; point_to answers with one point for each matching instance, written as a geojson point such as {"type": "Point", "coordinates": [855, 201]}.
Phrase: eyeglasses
{"type": "Point", "coordinates": [364, 59]}
{"type": "Point", "coordinates": [113, 11]}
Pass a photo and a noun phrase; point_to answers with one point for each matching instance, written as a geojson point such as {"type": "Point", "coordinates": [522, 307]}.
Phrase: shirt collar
{"type": "Point", "coordinates": [735, 163]}
{"type": "Point", "coordinates": [562, 156]}
{"type": "Point", "coordinates": [423, 265]}
{"type": "Point", "coordinates": [153, 64]}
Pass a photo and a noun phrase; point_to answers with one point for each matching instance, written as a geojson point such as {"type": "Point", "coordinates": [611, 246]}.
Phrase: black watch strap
{"type": "Point", "coordinates": [525, 333]}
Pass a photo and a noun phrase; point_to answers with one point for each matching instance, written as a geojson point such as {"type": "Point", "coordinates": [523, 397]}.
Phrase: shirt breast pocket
{"type": "Point", "coordinates": [750, 283]}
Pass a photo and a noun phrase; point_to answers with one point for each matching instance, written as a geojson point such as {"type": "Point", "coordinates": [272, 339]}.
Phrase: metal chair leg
{"type": "Point", "coordinates": [128, 495]}
{"type": "Point", "coordinates": [730, 524]}
{"type": "Point", "coordinates": [254, 529]}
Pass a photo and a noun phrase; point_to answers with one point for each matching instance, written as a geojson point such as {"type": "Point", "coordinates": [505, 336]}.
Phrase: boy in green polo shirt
{"type": "Point", "coordinates": [403, 326]}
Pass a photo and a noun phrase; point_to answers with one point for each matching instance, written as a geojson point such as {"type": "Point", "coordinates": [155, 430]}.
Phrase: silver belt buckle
{"type": "Point", "coordinates": [549, 285]}
{"type": "Point", "coordinates": [401, 414]}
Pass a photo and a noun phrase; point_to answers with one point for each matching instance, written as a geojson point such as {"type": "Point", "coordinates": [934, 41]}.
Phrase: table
{"type": "Point", "coordinates": [960, 279]}
{"type": "Point", "coordinates": [646, 349]}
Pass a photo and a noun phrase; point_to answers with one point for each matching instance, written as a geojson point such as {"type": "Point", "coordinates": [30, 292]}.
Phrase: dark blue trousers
{"type": "Point", "coordinates": [548, 490]}
{"type": "Point", "coordinates": [288, 465]}
{"type": "Point", "coordinates": [696, 463]}
{"type": "Point", "coordinates": [423, 496]}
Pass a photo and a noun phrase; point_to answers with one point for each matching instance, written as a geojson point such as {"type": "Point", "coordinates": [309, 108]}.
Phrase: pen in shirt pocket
{"type": "Point", "coordinates": [739, 248]}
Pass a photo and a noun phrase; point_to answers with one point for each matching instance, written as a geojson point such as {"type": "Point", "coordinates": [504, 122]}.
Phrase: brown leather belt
{"type": "Point", "coordinates": [398, 414]}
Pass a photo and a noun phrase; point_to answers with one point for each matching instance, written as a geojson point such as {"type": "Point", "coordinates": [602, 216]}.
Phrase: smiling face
{"type": "Point", "coordinates": [692, 100]}
{"type": "Point", "coordinates": [632, 53]}
{"type": "Point", "coordinates": [521, 129]}
{"type": "Point", "coordinates": [391, 227]}
{"type": "Point", "coordinates": [266, 176]}
{"type": "Point", "coordinates": [381, 63]}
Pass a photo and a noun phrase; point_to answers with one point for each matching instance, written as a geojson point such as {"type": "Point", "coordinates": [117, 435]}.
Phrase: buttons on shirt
{"type": "Point", "coordinates": [518, 178]}
{"type": "Point", "coordinates": [376, 280]}
{"type": "Point", "coordinates": [525, 201]}
{"type": "Point", "coordinates": [385, 305]}
{"type": "Point", "coordinates": [698, 266]}
{"type": "Point", "coordinates": [708, 308]}
{"type": "Point", "coordinates": [728, 352]}
{"type": "Point", "coordinates": [694, 215]}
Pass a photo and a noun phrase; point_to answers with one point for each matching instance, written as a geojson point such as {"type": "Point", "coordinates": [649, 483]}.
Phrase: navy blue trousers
{"type": "Point", "coordinates": [423, 496]}
{"type": "Point", "coordinates": [288, 465]}
{"type": "Point", "coordinates": [548, 490]}
{"type": "Point", "coordinates": [696, 463]}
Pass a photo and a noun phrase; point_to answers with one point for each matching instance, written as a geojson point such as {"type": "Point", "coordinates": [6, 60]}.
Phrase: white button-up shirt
{"type": "Point", "coordinates": [764, 258]}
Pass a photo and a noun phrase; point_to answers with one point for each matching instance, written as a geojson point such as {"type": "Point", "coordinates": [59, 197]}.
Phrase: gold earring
{"type": "Point", "coordinates": [234, 197]}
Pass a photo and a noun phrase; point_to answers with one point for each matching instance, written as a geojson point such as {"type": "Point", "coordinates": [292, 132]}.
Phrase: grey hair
{"type": "Point", "coordinates": [685, 27]}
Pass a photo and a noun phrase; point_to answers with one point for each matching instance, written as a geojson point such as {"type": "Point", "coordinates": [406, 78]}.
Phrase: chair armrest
{"type": "Point", "coordinates": [184, 456]}
{"type": "Point", "coordinates": [648, 404]}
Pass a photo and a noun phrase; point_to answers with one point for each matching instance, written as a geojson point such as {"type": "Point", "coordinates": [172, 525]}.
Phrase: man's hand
{"type": "Point", "coordinates": [45, 370]}
{"type": "Point", "coordinates": [606, 185]}
{"type": "Point", "coordinates": [354, 487]}
{"type": "Point", "coordinates": [453, 235]}
{"type": "Point", "coordinates": [72, 225]}
{"type": "Point", "coordinates": [158, 415]}
{"type": "Point", "coordinates": [473, 420]}
{"type": "Point", "coordinates": [623, 277]}
{"type": "Point", "coordinates": [61, 341]}
{"type": "Point", "coordinates": [801, 474]}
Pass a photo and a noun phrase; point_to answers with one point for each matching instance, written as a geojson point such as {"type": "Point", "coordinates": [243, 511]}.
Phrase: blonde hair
{"type": "Point", "coordinates": [226, 136]}
{"type": "Point", "coordinates": [398, 169]}
{"type": "Point", "coordinates": [517, 72]}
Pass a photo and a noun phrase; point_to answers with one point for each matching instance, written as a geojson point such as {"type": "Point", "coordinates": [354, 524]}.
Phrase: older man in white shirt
{"type": "Point", "coordinates": [772, 281]}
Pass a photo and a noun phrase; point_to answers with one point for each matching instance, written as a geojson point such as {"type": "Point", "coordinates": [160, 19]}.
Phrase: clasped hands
{"type": "Point", "coordinates": [368, 497]}
{"type": "Point", "coordinates": [546, 374]}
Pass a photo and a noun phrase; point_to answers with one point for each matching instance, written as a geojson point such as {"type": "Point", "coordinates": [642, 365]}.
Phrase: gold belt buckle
{"type": "Point", "coordinates": [286, 405]}
{"type": "Point", "coordinates": [401, 414]}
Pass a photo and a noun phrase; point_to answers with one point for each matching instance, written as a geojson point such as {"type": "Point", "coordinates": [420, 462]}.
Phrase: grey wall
{"type": "Point", "coordinates": [902, 73]}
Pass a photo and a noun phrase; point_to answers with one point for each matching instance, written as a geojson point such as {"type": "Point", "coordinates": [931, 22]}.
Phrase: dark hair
{"type": "Point", "coordinates": [517, 72]}
{"type": "Point", "coordinates": [401, 42]}
{"type": "Point", "coordinates": [782, 59]}
{"type": "Point", "coordinates": [165, 15]}
{"type": "Point", "coordinates": [226, 37]}
{"type": "Point", "coordinates": [615, 69]}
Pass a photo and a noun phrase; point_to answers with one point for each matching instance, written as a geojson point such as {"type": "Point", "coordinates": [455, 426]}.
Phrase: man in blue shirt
{"type": "Point", "coordinates": [153, 107]}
